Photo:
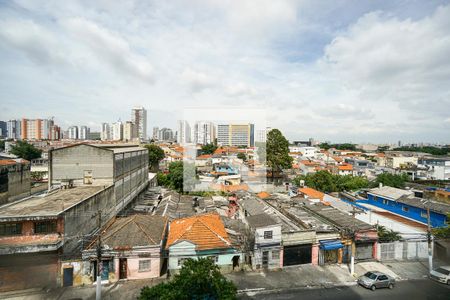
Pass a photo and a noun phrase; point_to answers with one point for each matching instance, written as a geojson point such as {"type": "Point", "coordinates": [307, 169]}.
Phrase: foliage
{"type": "Point", "coordinates": [443, 232]}
{"type": "Point", "coordinates": [26, 151]}
{"type": "Point", "coordinates": [38, 175]}
{"type": "Point", "coordinates": [277, 151]}
{"type": "Point", "coordinates": [163, 179]}
{"type": "Point", "coordinates": [386, 235]}
{"type": "Point", "coordinates": [2, 145]}
{"type": "Point", "coordinates": [198, 279]}
{"type": "Point", "coordinates": [426, 149]}
{"type": "Point", "coordinates": [155, 155]}
{"type": "Point", "coordinates": [345, 146]}
{"type": "Point", "coordinates": [242, 156]}
{"type": "Point", "coordinates": [393, 180]}
{"type": "Point", "coordinates": [326, 182]}
{"type": "Point", "coordinates": [209, 148]}
{"type": "Point", "coordinates": [383, 148]}
{"type": "Point", "coordinates": [182, 176]}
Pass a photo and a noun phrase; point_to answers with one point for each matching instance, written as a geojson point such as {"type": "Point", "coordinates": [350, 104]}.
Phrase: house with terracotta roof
{"type": "Point", "coordinates": [201, 236]}
{"type": "Point", "coordinates": [310, 194]}
{"type": "Point", "coordinates": [344, 169]}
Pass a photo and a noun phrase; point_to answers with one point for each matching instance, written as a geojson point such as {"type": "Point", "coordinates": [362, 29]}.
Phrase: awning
{"type": "Point", "coordinates": [331, 245]}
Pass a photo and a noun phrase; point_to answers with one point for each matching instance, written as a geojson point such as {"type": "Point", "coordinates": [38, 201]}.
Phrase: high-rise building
{"type": "Point", "coordinates": [105, 133]}
{"type": "Point", "coordinates": [184, 132]}
{"type": "Point", "coordinates": [165, 134]}
{"type": "Point", "coordinates": [83, 132]}
{"type": "Point", "coordinates": [55, 132]}
{"type": "Point", "coordinates": [261, 135]}
{"type": "Point", "coordinates": [139, 119]}
{"type": "Point", "coordinates": [72, 132]}
{"type": "Point", "coordinates": [33, 129]}
{"type": "Point", "coordinates": [3, 129]}
{"type": "Point", "coordinates": [128, 131]}
{"type": "Point", "coordinates": [13, 128]}
{"type": "Point", "coordinates": [155, 133]}
{"type": "Point", "coordinates": [236, 135]}
{"type": "Point", "coordinates": [204, 133]}
{"type": "Point", "coordinates": [117, 131]}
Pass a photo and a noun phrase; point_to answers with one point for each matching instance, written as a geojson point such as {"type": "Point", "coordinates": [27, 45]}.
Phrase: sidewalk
{"type": "Point", "coordinates": [308, 276]}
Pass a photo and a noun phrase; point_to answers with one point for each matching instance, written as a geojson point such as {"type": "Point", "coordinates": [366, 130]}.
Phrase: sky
{"type": "Point", "coordinates": [340, 71]}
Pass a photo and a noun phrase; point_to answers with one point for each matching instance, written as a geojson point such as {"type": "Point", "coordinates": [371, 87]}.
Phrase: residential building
{"type": "Point", "coordinates": [438, 168]}
{"type": "Point", "coordinates": [201, 236]}
{"type": "Point", "coordinates": [15, 179]}
{"type": "Point", "coordinates": [105, 134]}
{"type": "Point", "coordinates": [39, 233]}
{"type": "Point", "coordinates": [14, 129]}
{"type": "Point", "coordinates": [204, 133]}
{"type": "Point", "coordinates": [396, 161]}
{"type": "Point", "coordinates": [236, 135]}
{"type": "Point", "coordinates": [128, 131]}
{"type": "Point", "coordinates": [261, 135]}
{"type": "Point", "coordinates": [73, 133]}
{"type": "Point", "coordinates": [267, 243]}
{"type": "Point", "coordinates": [139, 119]}
{"type": "Point", "coordinates": [117, 131]}
{"type": "Point", "coordinates": [132, 247]}
{"type": "Point", "coordinates": [404, 203]}
{"type": "Point", "coordinates": [3, 129]}
{"type": "Point", "coordinates": [83, 133]}
{"type": "Point", "coordinates": [155, 134]}
{"type": "Point", "coordinates": [165, 134]}
{"type": "Point", "coordinates": [184, 132]}
{"type": "Point", "coordinates": [55, 133]}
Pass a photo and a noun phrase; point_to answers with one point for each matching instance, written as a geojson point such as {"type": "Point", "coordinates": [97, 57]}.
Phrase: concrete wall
{"type": "Point", "coordinates": [402, 250]}
{"type": "Point", "coordinates": [81, 219]}
{"type": "Point", "coordinates": [15, 182]}
{"type": "Point", "coordinates": [71, 162]}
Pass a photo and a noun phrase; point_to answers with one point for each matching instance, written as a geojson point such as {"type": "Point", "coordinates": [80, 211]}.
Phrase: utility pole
{"type": "Point", "coordinates": [98, 294]}
{"type": "Point", "coordinates": [352, 259]}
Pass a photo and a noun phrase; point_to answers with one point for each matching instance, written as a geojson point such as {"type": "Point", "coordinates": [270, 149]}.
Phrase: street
{"type": "Point", "coordinates": [413, 289]}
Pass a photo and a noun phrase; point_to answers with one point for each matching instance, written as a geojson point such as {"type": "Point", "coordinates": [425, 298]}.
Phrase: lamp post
{"type": "Point", "coordinates": [429, 237]}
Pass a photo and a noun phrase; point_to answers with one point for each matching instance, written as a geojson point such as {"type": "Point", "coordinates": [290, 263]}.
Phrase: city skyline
{"type": "Point", "coordinates": [377, 73]}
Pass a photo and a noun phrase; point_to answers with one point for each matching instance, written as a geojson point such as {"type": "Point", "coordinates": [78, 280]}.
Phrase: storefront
{"type": "Point", "coordinates": [330, 251]}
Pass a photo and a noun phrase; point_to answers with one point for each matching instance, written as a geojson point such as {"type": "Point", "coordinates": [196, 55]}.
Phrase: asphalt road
{"type": "Point", "coordinates": [410, 290]}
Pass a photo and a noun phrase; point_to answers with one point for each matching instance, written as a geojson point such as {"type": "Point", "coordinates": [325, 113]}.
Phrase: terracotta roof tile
{"type": "Point", "coordinates": [312, 193]}
{"type": "Point", "coordinates": [205, 231]}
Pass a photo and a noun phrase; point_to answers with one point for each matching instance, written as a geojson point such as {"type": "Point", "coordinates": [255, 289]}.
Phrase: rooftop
{"type": "Point", "coordinates": [261, 220]}
{"type": "Point", "coordinates": [389, 192]}
{"type": "Point", "coordinates": [50, 205]}
{"type": "Point", "coordinates": [311, 193]}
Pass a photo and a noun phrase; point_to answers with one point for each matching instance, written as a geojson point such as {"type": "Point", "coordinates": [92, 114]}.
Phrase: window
{"type": "Point", "coordinates": [45, 227]}
{"type": "Point", "coordinates": [382, 277]}
{"type": "Point", "coordinates": [275, 254]}
{"type": "Point", "coordinates": [214, 258]}
{"type": "Point", "coordinates": [11, 229]}
{"type": "Point", "coordinates": [268, 235]}
{"type": "Point", "coordinates": [423, 214]}
{"type": "Point", "coordinates": [385, 202]}
{"type": "Point", "coordinates": [144, 265]}
{"type": "Point", "coordinates": [405, 208]}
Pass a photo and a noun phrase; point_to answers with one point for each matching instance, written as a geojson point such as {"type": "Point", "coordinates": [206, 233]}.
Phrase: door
{"type": "Point", "coordinates": [364, 250]}
{"type": "Point", "coordinates": [68, 276]}
{"type": "Point", "coordinates": [297, 255]}
{"type": "Point", "coordinates": [265, 259]}
{"type": "Point", "coordinates": [382, 281]}
{"type": "Point", "coordinates": [122, 268]}
{"type": "Point", "coordinates": [105, 270]}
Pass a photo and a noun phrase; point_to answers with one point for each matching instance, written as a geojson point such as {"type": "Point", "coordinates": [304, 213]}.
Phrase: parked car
{"type": "Point", "coordinates": [375, 280]}
{"type": "Point", "coordinates": [441, 274]}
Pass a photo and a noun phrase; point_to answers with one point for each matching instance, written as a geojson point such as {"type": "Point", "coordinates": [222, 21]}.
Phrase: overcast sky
{"type": "Point", "coordinates": [359, 71]}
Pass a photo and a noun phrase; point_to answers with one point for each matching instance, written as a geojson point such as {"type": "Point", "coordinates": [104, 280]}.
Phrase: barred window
{"type": "Point", "coordinates": [45, 227]}
{"type": "Point", "coordinates": [275, 254]}
{"type": "Point", "coordinates": [144, 265]}
{"type": "Point", "coordinates": [268, 235]}
{"type": "Point", "coordinates": [10, 229]}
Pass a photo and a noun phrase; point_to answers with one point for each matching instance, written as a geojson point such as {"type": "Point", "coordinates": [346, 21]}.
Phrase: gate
{"type": "Point", "coordinates": [364, 250]}
{"type": "Point", "coordinates": [297, 255]}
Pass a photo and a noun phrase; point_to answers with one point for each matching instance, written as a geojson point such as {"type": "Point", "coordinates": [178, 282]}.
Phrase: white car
{"type": "Point", "coordinates": [441, 274]}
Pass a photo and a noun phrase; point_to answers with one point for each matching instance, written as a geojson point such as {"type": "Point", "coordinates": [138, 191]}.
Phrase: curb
{"type": "Point", "coordinates": [255, 291]}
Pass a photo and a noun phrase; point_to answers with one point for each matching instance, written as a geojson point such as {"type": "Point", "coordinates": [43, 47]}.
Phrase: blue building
{"type": "Point", "coordinates": [404, 203]}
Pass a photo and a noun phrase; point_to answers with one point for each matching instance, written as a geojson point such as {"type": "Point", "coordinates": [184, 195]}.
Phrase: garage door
{"type": "Point", "coordinates": [297, 255]}
{"type": "Point", "coordinates": [364, 250]}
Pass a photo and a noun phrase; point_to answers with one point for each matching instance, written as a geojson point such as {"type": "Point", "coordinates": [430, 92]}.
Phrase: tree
{"type": "Point", "coordinates": [155, 155]}
{"type": "Point", "coordinates": [393, 180]}
{"type": "Point", "coordinates": [326, 182]}
{"type": "Point", "coordinates": [26, 151]}
{"type": "Point", "coordinates": [198, 279]}
{"type": "Point", "coordinates": [442, 232]}
{"type": "Point", "coordinates": [386, 235]}
{"type": "Point", "coordinates": [242, 156]}
{"type": "Point", "coordinates": [182, 176]}
{"type": "Point", "coordinates": [209, 148]}
{"type": "Point", "coordinates": [2, 145]}
{"type": "Point", "coordinates": [277, 151]}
